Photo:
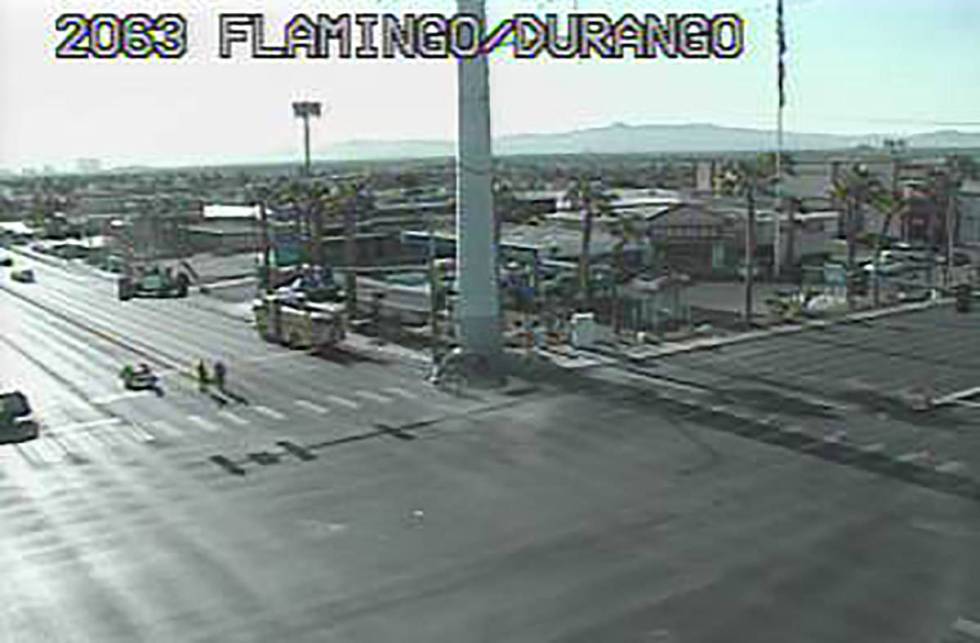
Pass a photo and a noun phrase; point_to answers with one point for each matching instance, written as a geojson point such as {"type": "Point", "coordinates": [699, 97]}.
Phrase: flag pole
{"type": "Point", "coordinates": [781, 70]}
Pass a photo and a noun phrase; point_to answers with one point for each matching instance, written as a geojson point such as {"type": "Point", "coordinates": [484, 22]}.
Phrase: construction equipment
{"type": "Point", "coordinates": [153, 283]}
{"type": "Point", "coordinates": [292, 320]}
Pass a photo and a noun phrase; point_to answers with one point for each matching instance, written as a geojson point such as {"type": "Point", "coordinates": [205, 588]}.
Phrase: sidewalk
{"type": "Point", "coordinates": [640, 353]}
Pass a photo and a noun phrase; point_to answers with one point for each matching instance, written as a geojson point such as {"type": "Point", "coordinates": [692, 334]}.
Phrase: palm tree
{"type": "Point", "coordinates": [891, 204]}
{"type": "Point", "coordinates": [855, 188]}
{"type": "Point", "coordinates": [748, 178]}
{"type": "Point", "coordinates": [590, 200]}
{"type": "Point", "coordinates": [352, 199]}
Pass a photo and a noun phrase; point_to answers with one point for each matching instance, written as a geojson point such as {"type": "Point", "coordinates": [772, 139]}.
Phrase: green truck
{"type": "Point", "coordinates": [154, 283]}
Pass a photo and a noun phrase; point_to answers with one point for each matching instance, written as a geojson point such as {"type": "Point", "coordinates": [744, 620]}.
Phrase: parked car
{"type": "Point", "coordinates": [17, 423]}
{"type": "Point", "coordinates": [26, 275]}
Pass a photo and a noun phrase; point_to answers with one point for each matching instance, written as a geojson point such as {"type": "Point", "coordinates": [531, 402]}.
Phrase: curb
{"type": "Point", "coordinates": [852, 318]}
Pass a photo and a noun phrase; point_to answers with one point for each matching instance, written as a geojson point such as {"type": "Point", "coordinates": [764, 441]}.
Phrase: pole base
{"type": "Point", "coordinates": [478, 370]}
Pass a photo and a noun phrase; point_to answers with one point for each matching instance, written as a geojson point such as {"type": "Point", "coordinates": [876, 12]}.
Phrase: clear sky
{"type": "Point", "coordinates": [855, 66]}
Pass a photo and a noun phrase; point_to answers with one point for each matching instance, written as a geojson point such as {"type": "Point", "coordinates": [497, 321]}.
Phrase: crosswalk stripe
{"type": "Point", "coordinates": [45, 451]}
{"type": "Point", "coordinates": [236, 419]}
{"type": "Point", "coordinates": [30, 453]}
{"type": "Point", "coordinates": [374, 397]}
{"type": "Point", "coordinates": [316, 408]}
{"type": "Point", "coordinates": [115, 437]}
{"type": "Point", "coordinates": [59, 443]}
{"type": "Point", "coordinates": [272, 413]}
{"type": "Point", "coordinates": [204, 423]}
{"type": "Point", "coordinates": [142, 433]}
{"type": "Point", "coordinates": [165, 427]}
{"type": "Point", "coordinates": [343, 401]}
{"type": "Point", "coordinates": [87, 440]}
{"type": "Point", "coordinates": [400, 391]}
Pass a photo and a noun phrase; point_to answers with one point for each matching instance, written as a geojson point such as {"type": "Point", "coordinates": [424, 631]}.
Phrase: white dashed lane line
{"type": "Point", "coordinates": [118, 397]}
{"type": "Point", "coordinates": [343, 401]}
{"type": "Point", "coordinates": [233, 418]}
{"type": "Point", "coordinates": [372, 396]}
{"type": "Point", "coordinates": [266, 411]}
{"type": "Point", "coordinates": [877, 447]}
{"type": "Point", "coordinates": [204, 423]}
{"type": "Point", "coordinates": [78, 426]}
{"type": "Point", "coordinates": [311, 406]}
{"type": "Point", "coordinates": [394, 390]}
{"type": "Point", "coordinates": [913, 456]}
{"type": "Point", "coordinates": [162, 426]}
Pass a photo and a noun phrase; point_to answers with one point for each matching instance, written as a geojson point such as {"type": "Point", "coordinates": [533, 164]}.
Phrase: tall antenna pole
{"type": "Point", "coordinates": [479, 308]}
{"type": "Point", "coordinates": [781, 36]}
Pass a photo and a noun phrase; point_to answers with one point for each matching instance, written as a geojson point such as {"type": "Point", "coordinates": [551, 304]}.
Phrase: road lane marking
{"type": "Point", "coordinates": [166, 427]}
{"type": "Point", "coordinates": [952, 466]}
{"type": "Point", "coordinates": [957, 396]}
{"type": "Point", "coordinates": [87, 425]}
{"type": "Point", "coordinates": [968, 627]}
{"type": "Point", "coordinates": [117, 397]}
{"type": "Point", "coordinates": [236, 419]}
{"type": "Point", "coordinates": [116, 438]}
{"type": "Point", "coordinates": [142, 433]}
{"type": "Point", "coordinates": [343, 401]}
{"type": "Point", "coordinates": [272, 413]}
{"type": "Point", "coordinates": [204, 423]}
{"type": "Point", "coordinates": [82, 441]}
{"type": "Point", "coordinates": [316, 408]}
{"type": "Point", "coordinates": [54, 445]}
{"type": "Point", "coordinates": [400, 391]}
{"type": "Point", "coordinates": [877, 447]}
{"type": "Point", "coordinates": [912, 456]}
{"type": "Point", "coordinates": [30, 452]}
{"type": "Point", "coordinates": [374, 397]}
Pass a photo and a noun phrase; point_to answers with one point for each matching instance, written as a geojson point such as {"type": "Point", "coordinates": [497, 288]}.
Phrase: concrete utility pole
{"type": "Point", "coordinates": [478, 309]}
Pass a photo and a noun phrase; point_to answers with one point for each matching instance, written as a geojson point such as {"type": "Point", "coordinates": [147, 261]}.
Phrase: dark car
{"type": "Point", "coordinates": [26, 275]}
{"type": "Point", "coordinates": [17, 423]}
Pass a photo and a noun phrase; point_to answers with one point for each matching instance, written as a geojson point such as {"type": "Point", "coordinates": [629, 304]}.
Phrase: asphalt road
{"type": "Point", "coordinates": [599, 507]}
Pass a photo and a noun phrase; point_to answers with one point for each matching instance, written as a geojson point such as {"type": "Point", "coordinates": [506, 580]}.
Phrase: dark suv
{"type": "Point", "coordinates": [17, 422]}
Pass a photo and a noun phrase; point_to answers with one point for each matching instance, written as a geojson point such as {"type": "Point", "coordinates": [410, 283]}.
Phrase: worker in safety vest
{"type": "Point", "coordinates": [202, 374]}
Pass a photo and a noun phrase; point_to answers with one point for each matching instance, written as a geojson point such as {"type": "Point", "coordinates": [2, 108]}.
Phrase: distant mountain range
{"type": "Point", "coordinates": [642, 139]}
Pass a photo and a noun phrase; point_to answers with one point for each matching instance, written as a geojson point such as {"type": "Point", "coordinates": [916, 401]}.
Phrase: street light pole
{"type": "Point", "coordinates": [305, 110]}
